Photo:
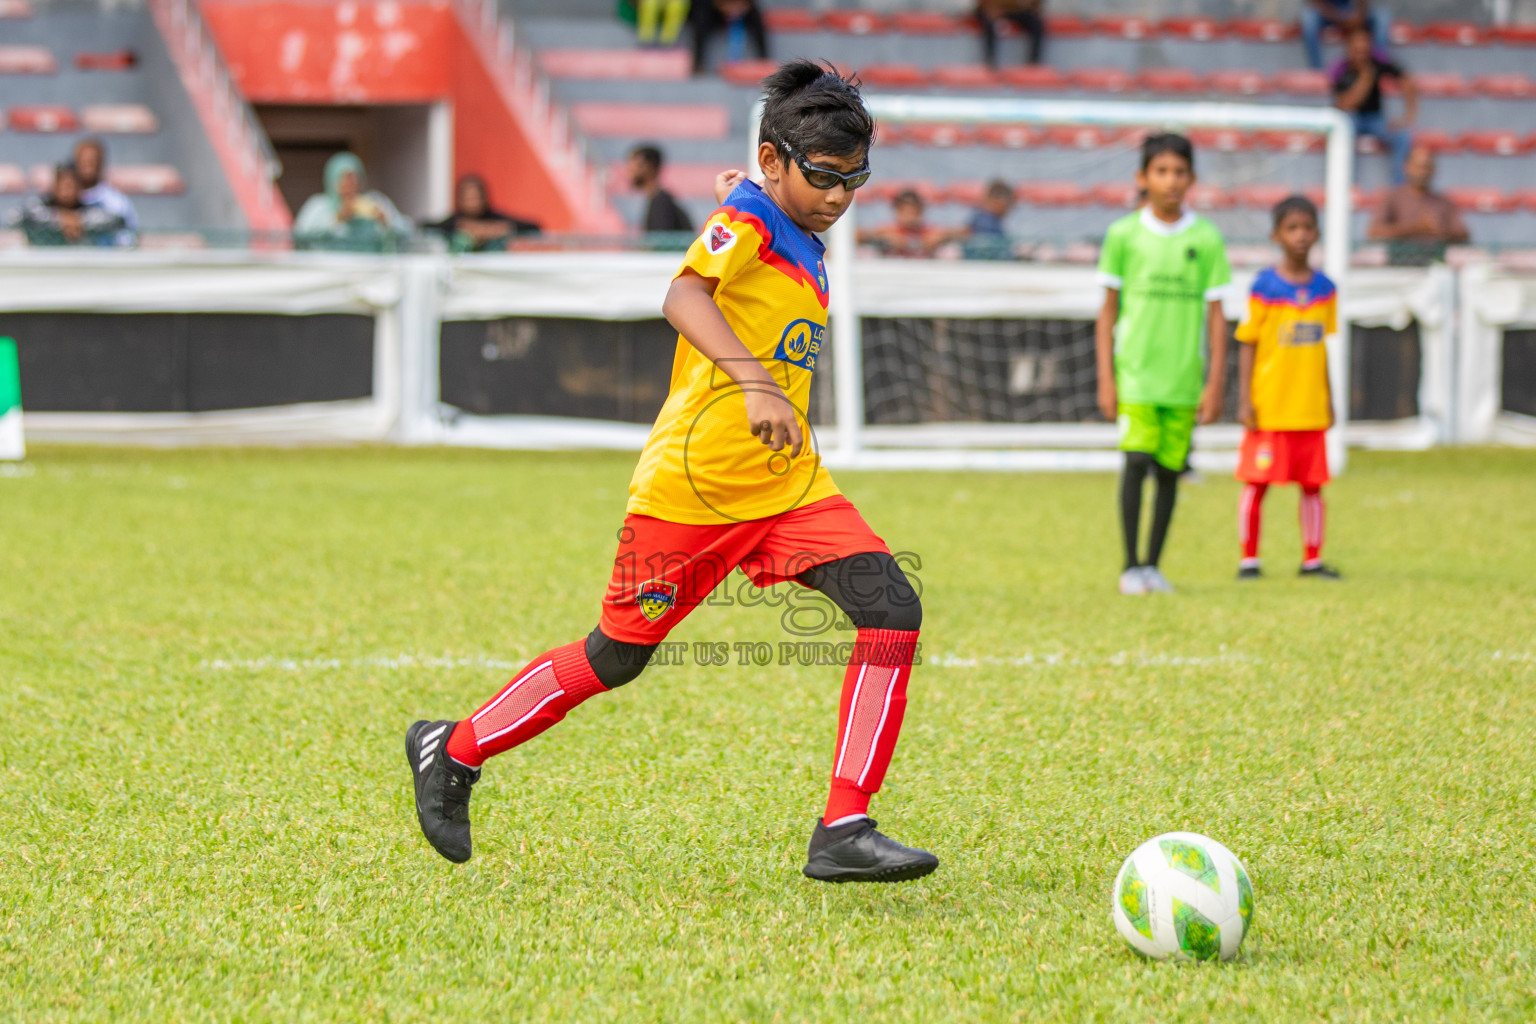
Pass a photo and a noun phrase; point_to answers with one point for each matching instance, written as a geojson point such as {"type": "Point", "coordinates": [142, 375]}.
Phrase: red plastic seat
{"type": "Point", "coordinates": [1302, 82]}
{"type": "Point", "coordinates": [1054, 193]}
{"type": "Point", "coordinates": [1505, 87]}
{"type": "Point", "coordinates": [1453, 33]}
{"type": "Point", "coordinates": [965, 76]}
{"type": "Point", "coordinates": [112, 60]}
{"type": "Point", "coordinates": [1111, 80]}
{"type": "Point", "coordinates": [43, 118]}
{"type": "Point", "coordinates": [941, 136]}
{"type": "Point", "coordinates": [1125, 26]}
{"type": "Point", "coordinates": [894, 76]}
{"type": "Point", "coordinates": [653, 120]}
{"type": "Point", "coordinates": [26, 60]}
{"type": "Point", "coordinates": [1208, 197]}
{"type": "Point", "coordinates": [1034, 78]}
{"type": "Point", "coordinates": [1200, 30]}
{"type": "Point", "coordinates": [791, 19]}
{"type": "Point", "coordinates": [1222, 140]}
{"type": "Point", "coordinates": [854, 23]}
{"type": "Point", "coordinates": [1172, 80]}
{"type": "Point", "coordinates": [12, 178]}
{"type": "Point", "coordinates": [1437, 141]}
{"type": "Point", "coordinates": [1368, 145]}
{"type": "Point", "coordinates": [119, 118]}
{"type": "Point", "coordinates": [667, 65]}
{"type": "Point", "coordinates": [1237, 82]}
{"type": "Point", "coordinates": [1260, 197]}
{"type": "Point", "coordinates": [1289, 141]}
{"type": "Point", "coordinates": [15, 9]}
{"type": "Point", "coordinates": [748, 72]}
{"type": "Point", "coordinates": [1405, 33]}
{"type": "Point", "coordinates": [147, 179]}
{"type": "Point", "coordinates": [1076, 136]}
{"type": "Point", "coordinates": [1067, 26]}
{"type": "Point", "coordinates": [1497, 142]}
{"type": "Point", "coordinates": [930, 23]}
{"type": "Point", "coordinates": [1121, 195]}
{"type": "Point", "coordinates": [1009, 136]}
{"type": "Point", "coordinates": [1481, 200]}
{"type": "Point", "coordinates": [1263, 30]}
{"type": "Point", "coordinates": [965, 193]}
{"type": "Point", "coordinates": [1525, 199]}
{"type": "Point", "coordinates": [1437, 84]}
{"type": "Point", "coordinates": [1514, 35]}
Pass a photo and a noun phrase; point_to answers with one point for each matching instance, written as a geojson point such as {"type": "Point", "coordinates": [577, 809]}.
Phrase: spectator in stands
{"type": "Point", "coordinates": [91, 165]}
{"type": "Point", "coordinates": [475, 225]}
{"type": "Point", "coordinates": [1357, 90]}
{"type": "Point", "coordinates": [909, 236]}
{"type": "Point", "coordinates": [1415, 221]}
{"type": "Point", "coordinates": [348, 215]}
{"type": "Point", "coordinates": [992, 15]}
{"type": "Point", "coordinates": [65, 217]}
{"type": "Point", "coordinates": [656, 21]}
{"type": "Point", "coordinates": [986, 236]}
{"type": "Point", "coordinates": [662, 213]}
{"type": "Point", "coordinates": [1346, 16]}
{"type": "Point", "coordinates": [741, 22]}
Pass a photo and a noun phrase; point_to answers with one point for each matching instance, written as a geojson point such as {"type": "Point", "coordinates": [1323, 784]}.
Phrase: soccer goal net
{"type": "Point", "coordinates": [958, 349]}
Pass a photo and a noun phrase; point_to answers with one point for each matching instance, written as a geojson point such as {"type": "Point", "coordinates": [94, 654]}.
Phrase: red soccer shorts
{"type": "Point", "coordinates": [1284, 457]}
{"type": "Point", "coordinates": [663, 570]}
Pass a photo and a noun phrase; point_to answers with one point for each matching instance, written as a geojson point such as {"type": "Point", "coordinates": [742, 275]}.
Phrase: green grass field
{"type": "Point", "coordinates": [209, 659]}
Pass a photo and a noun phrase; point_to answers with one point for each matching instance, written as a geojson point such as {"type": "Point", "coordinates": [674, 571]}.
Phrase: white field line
{"type": "Point", "coordinates": [1068, 660]}
{"type": "Point", "coordinates": [389, 662]}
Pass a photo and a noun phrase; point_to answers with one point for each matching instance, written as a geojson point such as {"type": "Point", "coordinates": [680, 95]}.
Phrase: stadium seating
{"type": "Point", "coordinates": [658, 120]}
{"type": "Point", "coordinates": [50, 117]}
{"type": "Point", "coordinates": [26, 60]}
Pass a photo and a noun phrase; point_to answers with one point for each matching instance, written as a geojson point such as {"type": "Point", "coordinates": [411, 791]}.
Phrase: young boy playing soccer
{"type": "Point", "coordinates": [726, 479]}
{"type": "Point", "coordinates": [1163, 270]}
{"type": "Point", "coordinates": [1285, 400]}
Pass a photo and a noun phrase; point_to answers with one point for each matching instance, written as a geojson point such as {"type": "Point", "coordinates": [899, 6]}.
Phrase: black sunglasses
{"type": "Point", "coordinates": [824, 177]}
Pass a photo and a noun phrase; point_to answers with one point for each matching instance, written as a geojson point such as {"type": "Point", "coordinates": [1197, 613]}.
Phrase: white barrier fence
{"type": "Point", "coordinates": [1461, 316]}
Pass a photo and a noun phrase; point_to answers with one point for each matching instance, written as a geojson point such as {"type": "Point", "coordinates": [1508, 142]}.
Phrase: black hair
{"type": "Point", "coordinates": [1294, 204]}
{"type": "Point", "coordinates": [997, 188]}
{"type": "Point", "coordinates": [813, 108]}
{"type": "Point", "coordinates": [650, 154]}
{"type": "Point", "coordinates": [94, 143]}
{"type": "Point", "coordinates": [1167, 142]}
{"type": "Point", "coordinates": [906, 196]}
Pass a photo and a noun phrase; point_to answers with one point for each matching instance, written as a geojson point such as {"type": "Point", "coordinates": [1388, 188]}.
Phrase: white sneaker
{"type": "Point", "coordinates": [1154, 581]}
{"type": "Point", "coordinates": [1132, 582]}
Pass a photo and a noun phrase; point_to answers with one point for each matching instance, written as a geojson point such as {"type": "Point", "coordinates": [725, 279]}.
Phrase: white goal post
{"type": "Point", "coordinates": [1068, 445]}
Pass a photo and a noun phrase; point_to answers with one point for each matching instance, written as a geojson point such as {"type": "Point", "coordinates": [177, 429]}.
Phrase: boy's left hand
{"type": "Point", "coordinates": [726, 182]}
{"type": "Point", "coordinates": [1210, 406]}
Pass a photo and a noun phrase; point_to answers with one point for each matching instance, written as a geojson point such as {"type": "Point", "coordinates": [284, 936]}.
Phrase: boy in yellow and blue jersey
{"type": "Point", "coordinates": [726, 480]}
{"type": "Point", "coordinates": [1284, 397]}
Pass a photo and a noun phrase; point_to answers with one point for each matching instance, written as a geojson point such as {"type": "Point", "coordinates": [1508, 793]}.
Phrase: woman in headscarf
{"type": "Point", "coordinates": [63, 217]}
{"type": "Point", "coordinates": [475, 225]}
{"type": "Point", "coordinates": [348, 215]}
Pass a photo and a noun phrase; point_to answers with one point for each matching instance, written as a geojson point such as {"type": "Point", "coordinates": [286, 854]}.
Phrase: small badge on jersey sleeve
{"type": "Point", "coordinates": [718, 239]}
{"type": "Point", "coordinates": [656, 598]}
{"type": "Point", "coordinates": [801, 344]}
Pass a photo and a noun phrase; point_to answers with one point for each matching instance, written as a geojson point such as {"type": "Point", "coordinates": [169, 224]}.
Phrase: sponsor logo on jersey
{"type": "Point", "coordinates": [656, 598]}
{"type": "Point", "coordinates": [801, 343]}
{"type": "Point", "coordinates": [719, 238]}
{"type": "Point", "coordinates": [1301, 333]}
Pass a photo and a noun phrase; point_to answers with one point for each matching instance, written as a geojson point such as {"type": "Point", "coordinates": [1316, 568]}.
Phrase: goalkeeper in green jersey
{"type": "Point", "coordinates": [1163, 270]}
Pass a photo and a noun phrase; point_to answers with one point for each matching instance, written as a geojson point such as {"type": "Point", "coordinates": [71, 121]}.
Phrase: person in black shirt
{"type": "Point", "coordinates": [1357, 91]}
{"type": "Point", "coordinates": [475, 225]}
{"type": "Point", "coordinates": [662, 213]}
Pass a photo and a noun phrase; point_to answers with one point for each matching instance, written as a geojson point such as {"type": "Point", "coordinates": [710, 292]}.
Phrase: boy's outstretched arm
{"type": "Point", "coordinates": [1216, 379]}
{"type": "Point", "coordinates": [690, 307]}
{"type": "Point", "coordinates": [1104, 352]}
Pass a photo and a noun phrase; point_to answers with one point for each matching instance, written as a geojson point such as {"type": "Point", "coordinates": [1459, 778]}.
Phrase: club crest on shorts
{"type": "Point", "coordinates": [719, 238]}
{"type": "Point", "coordinates": [1264, 458]}
{"type": "Point", "coordinates": [656, 598]}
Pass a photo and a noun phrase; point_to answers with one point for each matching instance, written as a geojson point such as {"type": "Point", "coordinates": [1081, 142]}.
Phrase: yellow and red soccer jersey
{"type": "Point", "coordinates": [1288, 325]}
{"type": "Point", "coordinates": [701, 463]}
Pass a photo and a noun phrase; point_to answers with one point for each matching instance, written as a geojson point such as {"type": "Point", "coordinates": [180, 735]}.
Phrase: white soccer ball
{"type": "Point", "coordinates": [1183, 896]}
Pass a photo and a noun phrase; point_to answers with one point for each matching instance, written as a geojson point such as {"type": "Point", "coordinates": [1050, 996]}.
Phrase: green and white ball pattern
{"type": "Point", "coordinates": [1181, 895]}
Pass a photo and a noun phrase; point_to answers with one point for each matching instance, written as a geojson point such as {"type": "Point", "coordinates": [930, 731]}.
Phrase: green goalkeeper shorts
{"type": "Point", "coordinates": [1162, 431]}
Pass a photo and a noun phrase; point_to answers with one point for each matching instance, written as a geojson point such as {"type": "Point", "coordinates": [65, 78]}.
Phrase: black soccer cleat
{"type": "Point", "coordinates": [442, 789]}
{"type": "Point", "coordinates": [855, 852]}
{"type": "Point", "coordinates": [1320, 571]}
{"type": "Point", "coordinates": [1249, 572]}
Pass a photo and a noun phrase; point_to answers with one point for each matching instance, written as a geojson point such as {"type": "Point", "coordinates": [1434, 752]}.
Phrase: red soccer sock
{"type": "Point", "coordinates": [535, 699]}
{"type": "Point", "coordinates": [1250, 516]}
{"type": "Point", "coordinates": [1312, 520]}
{"type": "Point", "coordinates": [869, 718]}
